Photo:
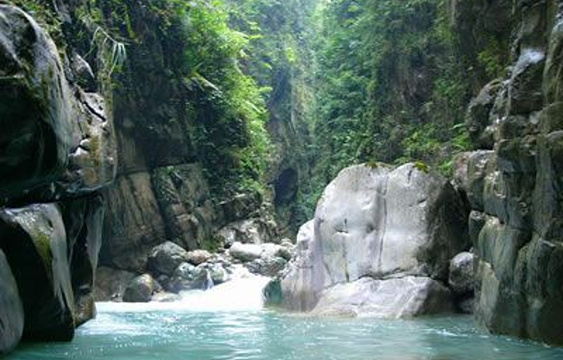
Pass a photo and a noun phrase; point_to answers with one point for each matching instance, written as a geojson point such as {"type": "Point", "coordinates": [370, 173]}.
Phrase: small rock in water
{"type": "Point", "coordinates": [185, 271]}
{"type": "Point", "coordinates": [461, 273]}
{"type": "Point", "coordinates": [202, 279]}
{"type": "Point", "coordinates": [218, 274]}
{"type": "Point", "coordinates": [140, 289]}
{"type": "Point", "coordinates": [273, 293]}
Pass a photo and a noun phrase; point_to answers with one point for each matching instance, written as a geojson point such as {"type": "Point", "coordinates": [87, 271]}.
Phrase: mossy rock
{"type": "Point", "coordinates": [34, 241]}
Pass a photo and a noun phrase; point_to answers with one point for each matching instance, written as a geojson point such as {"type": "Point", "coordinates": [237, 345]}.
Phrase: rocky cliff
{"type": "Point", "coordinates": [513, 180]}
{"type": "Point", "coordinates": [107, 133]}
{"type": "Point", "coordinates": [58, 151]}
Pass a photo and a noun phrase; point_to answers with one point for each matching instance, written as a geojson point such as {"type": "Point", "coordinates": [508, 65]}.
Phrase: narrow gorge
{"type": "Point", "coordinates": [225, 179]}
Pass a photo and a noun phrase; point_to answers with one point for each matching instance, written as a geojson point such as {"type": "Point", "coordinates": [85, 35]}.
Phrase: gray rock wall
{"type": "Point", "coordinates": [515, 188]}
{"type": "Point", "coordinates": [58, 151]}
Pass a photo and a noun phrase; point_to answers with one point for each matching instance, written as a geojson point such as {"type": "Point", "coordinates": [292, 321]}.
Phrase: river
{"type": "Point", "coordinates": [229, 322]}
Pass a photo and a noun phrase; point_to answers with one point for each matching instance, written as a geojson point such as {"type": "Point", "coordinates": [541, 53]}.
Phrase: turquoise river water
{"type": "Point", "coordinates": [228, 322]}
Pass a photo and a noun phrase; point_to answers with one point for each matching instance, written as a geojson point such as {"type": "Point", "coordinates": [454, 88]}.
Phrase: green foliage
{"type": "Point", "coordinates": [230, 133]}
{"type": "Point", "coordinates": [44, 13]}
{"type": "Point", "coordinates": [420, 166]}
{"type": "Point", "coordinates": [390, 85]}
{"type": "Point", "coordinates": [492, 58]}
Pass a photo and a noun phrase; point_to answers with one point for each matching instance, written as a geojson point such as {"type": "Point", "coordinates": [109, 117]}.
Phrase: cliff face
{"type": "Point", "coordinates": [58, 152]}
{"type": "Point", "coordinates": [175, 145]}
{"type": "Point", "coordinates": [514, 181]}
{"type": "Point", "coordinates": [170, 167]}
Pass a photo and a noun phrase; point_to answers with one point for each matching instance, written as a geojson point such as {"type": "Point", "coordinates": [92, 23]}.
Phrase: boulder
{"type": "Point", "coordinates": [394, 298]}
{"type": "Point", "coordinates": [245, 252]}
{"type": "Point", "coordinates": [189, 277]}
{"type": "Point", "coordinates": [287, 250]}
{"type": "Point", "coordinates": [165, 258]}
{"type": "Point", "coordinates": [34, 241]}
{"type": "Point", "coordinates": [461, 279]}
{"type": "Point", "coordinates": [140, 289]}
{"type": "Point", "coordinates": [267, 266]}
{"type": "Point", "coordinates": [198, 257]}
{"type": "Point", "coordinates": [304, 277]}
{"type": "Point", "coordinates": [218, 273]}
{"type": "Point", "coordinates": [379, 223]}
{"type": "Point", "coordinates": [185, 271]}
{"type": "Point", "coordinates": [251, 231]}
{"type": "Point", "coordinates": [11, 309]}
{"type": "Point", "coordinates": [201, 279]}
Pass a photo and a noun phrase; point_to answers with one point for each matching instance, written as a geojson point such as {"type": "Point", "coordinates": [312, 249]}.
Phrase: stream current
{"type": "Point", "coordinates": [229, 322]}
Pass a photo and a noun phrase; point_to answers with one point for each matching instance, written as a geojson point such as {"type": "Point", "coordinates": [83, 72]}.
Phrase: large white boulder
{"type": "Point", "coordinates": [379, 223]}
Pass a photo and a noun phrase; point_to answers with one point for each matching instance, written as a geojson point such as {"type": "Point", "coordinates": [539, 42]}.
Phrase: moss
{"type": "Point", "coordinates": [42, 243]}
{"type": "Point", "coordinates": [420, 166]}
{"type": "Point", "coordinates": [46, 17]}
{"type": "Point", "coordinates": [95, 151]}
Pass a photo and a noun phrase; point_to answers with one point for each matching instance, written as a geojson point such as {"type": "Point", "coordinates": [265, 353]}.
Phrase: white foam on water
{"type": "Point", "coordinates": [242, 293]}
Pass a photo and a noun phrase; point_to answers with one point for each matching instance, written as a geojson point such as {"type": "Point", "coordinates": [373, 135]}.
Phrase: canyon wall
{"type": "Point", "coordinates": [513, 179]}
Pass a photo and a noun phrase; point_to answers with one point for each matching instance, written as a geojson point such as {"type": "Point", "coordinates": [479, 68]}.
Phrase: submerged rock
{"type": "Point", "coordinates": [378, 223]}
{"type": "Point", "coordinates": [189, 277]}
{"type": "Point", "coordinates": [218, 273]}
{"type": "Point", "coordinates": [165, 297]}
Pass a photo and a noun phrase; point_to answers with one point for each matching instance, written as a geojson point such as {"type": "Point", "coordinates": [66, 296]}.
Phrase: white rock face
{"type": "Point", "coordinates": [394, 298]}
{"type": "Point", "coordinates": [377, 223]}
